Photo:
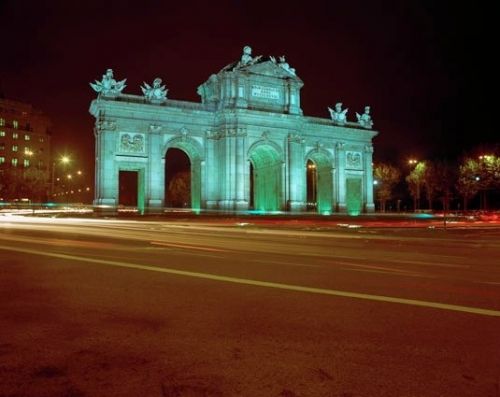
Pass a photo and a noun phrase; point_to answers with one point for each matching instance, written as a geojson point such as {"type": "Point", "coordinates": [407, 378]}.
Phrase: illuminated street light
{"type": "Point", "coordinates": [412, 161]}
{"type": "Point", "coordinates": [63, 160]}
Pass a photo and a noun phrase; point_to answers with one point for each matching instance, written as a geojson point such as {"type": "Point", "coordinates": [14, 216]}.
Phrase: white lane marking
{"type": "Point", "coordinates": [267, 284]}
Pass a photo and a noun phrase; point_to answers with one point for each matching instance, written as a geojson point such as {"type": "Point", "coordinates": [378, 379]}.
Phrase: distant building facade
{"type": "Point", "coordinates": [25, 137]}
{"type": "Point", "coordinates": [248, 143]}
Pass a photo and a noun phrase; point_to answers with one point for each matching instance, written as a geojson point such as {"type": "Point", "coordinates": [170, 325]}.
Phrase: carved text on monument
{"type": "Point", "coordinates": [265, 92]}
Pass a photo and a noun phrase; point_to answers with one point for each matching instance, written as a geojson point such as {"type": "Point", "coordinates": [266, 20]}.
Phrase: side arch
{"type": "Point", "coordinates": [194, 151]}
{"type": "Point", "coordinates": [322, 161]}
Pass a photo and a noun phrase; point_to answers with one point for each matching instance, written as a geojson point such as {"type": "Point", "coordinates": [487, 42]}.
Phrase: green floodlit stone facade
{"type": "Point", "coordinates": [248, 143]}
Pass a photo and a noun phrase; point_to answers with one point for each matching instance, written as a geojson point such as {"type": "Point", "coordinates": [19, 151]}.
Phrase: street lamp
{"type": "Point", "coordinates": [63, 160]}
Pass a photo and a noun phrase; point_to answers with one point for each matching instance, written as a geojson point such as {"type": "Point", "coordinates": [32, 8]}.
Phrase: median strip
{"type": "Point", "coordinates": [267, 284]}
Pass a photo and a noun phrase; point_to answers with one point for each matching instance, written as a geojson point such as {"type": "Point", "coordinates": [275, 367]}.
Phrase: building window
{"type": "Point", "coordinates": [27, 137]}
{"type": "Point", "coordinates": [14, 162]}
{"type": "Point", "coordinates": [14, 148]}
{"type": "Point", "coordinates": [26, 163]}
{"type": "Point", "coordinates": [2, 122]}
{"type": "Point", "coordinates": [2, 133]}
{"type": "Point", "coordinates": [2, 146]}
{"type": "Point", "coordinates": [15, 135]}
{"type": "Point", "coordinates": [40, 164]}
{"type": "Point", "coordinates": [15, 124]}
{"type": "Point", "coordinates": [2, 159]}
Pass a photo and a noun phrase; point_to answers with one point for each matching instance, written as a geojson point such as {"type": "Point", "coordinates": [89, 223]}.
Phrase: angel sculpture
{"type": "Point", "coordinates": [338, 115]}
{"type": "Point", "coordinates": [155, 94]}
{"type": "Point", "coordinates": [365, 120]}
{"type": "Point", "coordinates": [108, 86]}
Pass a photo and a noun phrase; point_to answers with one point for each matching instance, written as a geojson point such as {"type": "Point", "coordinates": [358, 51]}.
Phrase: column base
{"type": "Point", "coordinates": [341, 208]}
{"type": "Point", "coordinates": [105, 206]}
{"type": "Point", "coordinates": [369, 208]}
{"type": "Point", "coordinates": [296, 206]}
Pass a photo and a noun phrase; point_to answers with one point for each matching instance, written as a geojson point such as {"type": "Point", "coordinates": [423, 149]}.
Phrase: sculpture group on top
{"type": "Point", "coordinates": [247, 60]}
{"type": "Point", "coordinates": [339, 116]}
{"type": "Point", "coordinates": [365, 120]}
{"type": "Point", "coordinates": [108, 86]}
{"type": "Point", "coordinates": [155, 94]}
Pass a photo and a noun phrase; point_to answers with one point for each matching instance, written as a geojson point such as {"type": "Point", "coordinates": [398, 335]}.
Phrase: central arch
{"type": "Point", "coordinates": [265, 178]}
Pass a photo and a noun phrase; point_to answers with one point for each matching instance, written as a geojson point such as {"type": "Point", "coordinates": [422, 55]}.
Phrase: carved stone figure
{"type": "Point", "coordinates": [338, 115]}
{"type": "Point", "coordinates": [155, 94]}
{"type": "Point", "coordinates": [108, 86]}
{"type": "Point", "coordinates": [283, 64]}
{"type": "Point", "coordinates": [246, 58]}
{"type": "Point", "coordinates": [365, 120]}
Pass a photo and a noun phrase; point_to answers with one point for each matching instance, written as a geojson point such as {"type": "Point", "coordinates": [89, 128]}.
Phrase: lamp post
{"type": "Point", "coordinates": [62, 160]}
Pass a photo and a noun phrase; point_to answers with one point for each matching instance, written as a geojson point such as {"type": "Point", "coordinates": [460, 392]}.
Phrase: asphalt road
{"type": "Point", "coordinates": [125, 308]}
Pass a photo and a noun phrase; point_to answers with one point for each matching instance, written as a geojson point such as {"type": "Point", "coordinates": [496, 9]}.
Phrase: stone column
{"type": "Point", "coordinates": [241, 172]}
{"type": "Point", "coordinates": [368, 172]}
{"type": "Point", "coordinates": [296, 175]}
{"type": "Point", "coordinates": [293, 98]}
{"type": "Point", "coordinates": [107, 182]}
{"type": "Point", "coordinates": [156, 173]}
{"type": "Point", "coordinates": [341, 182]}
{"type": "Point", "coordinates": [212, 177]}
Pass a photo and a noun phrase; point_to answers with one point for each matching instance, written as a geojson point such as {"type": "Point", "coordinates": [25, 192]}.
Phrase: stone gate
{"type": "Point", "coordinates": [248, 143]}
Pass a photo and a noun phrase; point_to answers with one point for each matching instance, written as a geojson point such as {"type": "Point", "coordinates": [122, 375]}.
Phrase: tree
{"type": "Point", "coordinates": [445, 176]}
{"type": "Point", "coordinates": [431, 182]}
{"type": "Point", "coordinates": [34, 184]}
{"type": "Point", "coordinates": [18, 183]}
{"type": "Point", "coordinates": [10, 182]}
{"type": "Point", "coordinates": [478, 175]}
{"type": "Point", "coordinates": [387, 177]}
{"type": "Point", "coordinates": [468, 180]}
{"type": "Point", "coordinates": [415, 180]}
{"type": "Point", "coordinates": [179, 189]}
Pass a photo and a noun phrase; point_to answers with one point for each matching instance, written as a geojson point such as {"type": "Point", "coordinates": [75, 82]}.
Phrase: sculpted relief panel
{"type": "Point", "coordinates": [353, 160]}
{"type": "Point", "coordinates": [132, 143]}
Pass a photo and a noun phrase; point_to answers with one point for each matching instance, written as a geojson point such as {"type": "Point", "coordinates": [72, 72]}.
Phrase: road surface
{"type": "Point", "coordinates": [126, 308]}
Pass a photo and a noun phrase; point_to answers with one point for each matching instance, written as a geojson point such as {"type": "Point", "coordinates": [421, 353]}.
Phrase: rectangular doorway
{"type": "Point", "coordinates": [131, 189]}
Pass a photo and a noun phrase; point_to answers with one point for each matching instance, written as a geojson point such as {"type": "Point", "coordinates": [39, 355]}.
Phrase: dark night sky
{"type": "Point", "coordinates": [425, 68]}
